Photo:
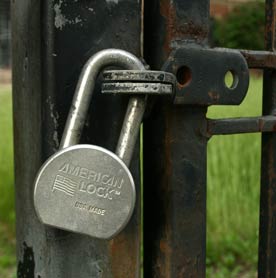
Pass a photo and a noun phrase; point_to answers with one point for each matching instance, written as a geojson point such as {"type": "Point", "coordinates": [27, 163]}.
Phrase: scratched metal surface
{"type": "Point", "coordinates": [52, 41]}
{"type": "Point", "coordinates": [174, 152]}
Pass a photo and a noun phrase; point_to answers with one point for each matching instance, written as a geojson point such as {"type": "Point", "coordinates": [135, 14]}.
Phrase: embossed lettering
{"type": "Point", "coordinates": [99, 177]}
{"type": "Point", "coordinates": [105, 179]}
{"type": "Point", "coordinates": [82, 187]}
{"type": "Point", "coordinates": [96, 210]}
{"type": "Point", "coordinates": [70, 169]}
{"type": "Point", "coordinates": [80, 205]}
{"type": "Point", "coordinates": [64, 168]}
{"type": "Point", "coordinates": [90, 208]}
{"type": "Point", "coordinates": [84, 173]}
{"type": "Point", "coordinates": [92, 175]}
{"type": "Point", "coordinates": [73, 170]}
{"type": "Point", "coordinates": [103, 185]}
{"type": "Point", "coordinates": [100, 191]}
{"type": "Point", "coordinates": [91, 188]}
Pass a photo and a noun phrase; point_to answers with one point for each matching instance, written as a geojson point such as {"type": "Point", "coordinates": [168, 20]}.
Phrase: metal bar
{"type": "Point", "coordinates": [267, 232]}
{"type": "Point", "coordinates": [174, 152]}
{"type": "Point", "coordinates": [30, 235]}
{"type": "Point", "coordinates": [259, 59]}
{"type": "Point", "coordinates": [131, 128]}
{"type": "Point", "coordinates": [241, 125]}
{"type": "Point", "coordinates": [46, 66]}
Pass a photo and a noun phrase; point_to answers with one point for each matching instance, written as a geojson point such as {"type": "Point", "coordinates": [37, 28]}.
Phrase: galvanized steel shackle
{"type": "Point", "coordinates": [83, 94]}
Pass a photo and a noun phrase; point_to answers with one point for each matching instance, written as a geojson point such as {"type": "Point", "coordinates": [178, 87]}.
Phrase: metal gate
{"type": "Point", "coordinates": [51, 42]}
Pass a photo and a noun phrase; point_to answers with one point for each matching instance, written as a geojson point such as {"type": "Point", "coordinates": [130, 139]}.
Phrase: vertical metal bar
{"type": "Point", "coordinates": [46, 65]}
{"type": "Point", "coordinates": [174, 152]}
{"type": "Point", "coordinates": [267, 232]}
{"type": "Point", "coordinates": [30, 235]}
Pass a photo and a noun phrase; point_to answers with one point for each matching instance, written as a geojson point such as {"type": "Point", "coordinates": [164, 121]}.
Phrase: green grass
{"type": "Point", "coordinates": [7, 252]}
{"type": "Point", "coordinates": [6, 157]}
{"type": "Point", "coordinates": [233, 193]}
{"type": "Point", "coordinates": [7, 215]}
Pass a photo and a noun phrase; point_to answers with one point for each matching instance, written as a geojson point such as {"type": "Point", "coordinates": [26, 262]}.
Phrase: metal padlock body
{"type": "Point", "coordinates": [93, 188]}
{"type": "Point", "coordinates": [84, 188]}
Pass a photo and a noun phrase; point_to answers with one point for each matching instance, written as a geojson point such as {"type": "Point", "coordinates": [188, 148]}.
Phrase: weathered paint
{"type": "Point", "coordinates": [174, 152]}
{"type": "Point", "coordinates": [60, 18]}
{"type": "Point", "coordinates": [55, 118]}
{"type": "Point", "coordinates": [26, 267]}
{"type": "Point", "coordinates": [46, 66]}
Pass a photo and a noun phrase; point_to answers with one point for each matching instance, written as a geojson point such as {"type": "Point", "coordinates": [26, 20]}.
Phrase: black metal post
{"type": "Point", "coordinates": [51, 42]}
{"type": "Point", "coordinates": [174, 152]}
{"type": "Point", "coordinates": [267, 236]}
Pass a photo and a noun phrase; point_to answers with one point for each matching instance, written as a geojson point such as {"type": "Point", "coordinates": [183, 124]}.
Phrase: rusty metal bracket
{"type": "Point", "coordinates": [200, 74]}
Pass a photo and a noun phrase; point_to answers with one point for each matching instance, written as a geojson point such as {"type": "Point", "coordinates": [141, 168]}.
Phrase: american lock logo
{"type": "Point", "coordinates": [88, 181]}
{"type": "Point", "coordinates": [65, 185]}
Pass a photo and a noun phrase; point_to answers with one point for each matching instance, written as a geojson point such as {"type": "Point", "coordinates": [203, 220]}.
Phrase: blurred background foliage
{"type": "Point", "coordinates": [234, 161]}
{"type": "Point", "coordinates": [242, 28]}
{"type": "Point", "coordinates": [7, 214]}
{"type": "Point", "coordinates": [233, 191]}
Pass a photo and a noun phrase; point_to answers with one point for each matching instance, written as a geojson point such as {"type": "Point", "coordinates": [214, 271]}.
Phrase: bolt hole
{"type": "Point", "coordinates": [231, 79]}
{"type": "Point", "coordinates": [184, 75]}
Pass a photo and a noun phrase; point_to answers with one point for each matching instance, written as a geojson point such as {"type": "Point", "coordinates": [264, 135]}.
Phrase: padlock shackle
{"type": "Point", "coordinates": [83, 94]}
{"type": "Point", "coordinates": [131, 127]}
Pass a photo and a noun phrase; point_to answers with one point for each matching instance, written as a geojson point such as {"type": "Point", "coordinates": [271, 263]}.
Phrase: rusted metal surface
{"type": "Point", "coordinates": [267, 232]}
{"type": "Point", "coordinates": [174, 152]}
{"type": "Point", "coordinates": [206, 82]}
{"type": "Point", "coordinates": [46, 65]}
{"type": "Point", "coordinates": [241, 125]}
{"type": "Point", "coordinates": [175, 23]}
{"type": "Point", "coordinates": [175, 193]}
{"type": "Point", "coordinates": [260, 59]}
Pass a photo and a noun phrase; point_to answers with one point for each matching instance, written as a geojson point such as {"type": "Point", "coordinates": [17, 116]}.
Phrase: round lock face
{"type": "Point", "coordinates": [85, 189]}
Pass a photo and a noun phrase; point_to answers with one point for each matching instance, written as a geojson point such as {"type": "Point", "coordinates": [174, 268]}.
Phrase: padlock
{"type": "Point", "coordinates": [85, 188]}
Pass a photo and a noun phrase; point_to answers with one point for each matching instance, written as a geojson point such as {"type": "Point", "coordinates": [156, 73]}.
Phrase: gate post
{"type": "Point", "coordinates": [174, 152]}
{"type": "Point", "coordinates": [51, 42]}
{"type": "Point", "coordinates": [267, 231]}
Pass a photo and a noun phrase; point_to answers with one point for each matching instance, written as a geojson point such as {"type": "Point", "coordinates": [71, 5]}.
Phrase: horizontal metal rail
{"type": "Point", "coordinates": [241, 125]}
{"type": "Point", "coordinates": [259, 59]}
